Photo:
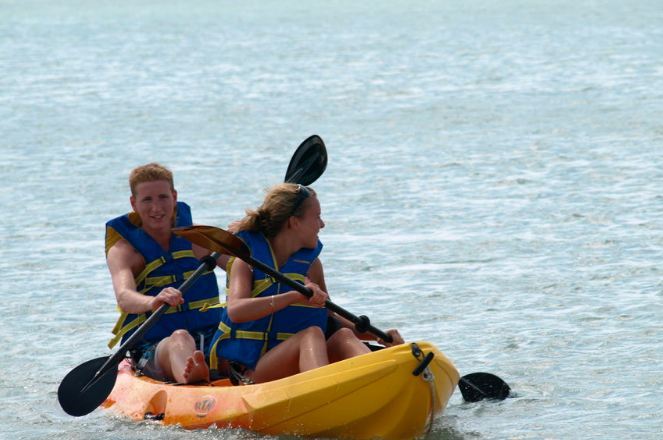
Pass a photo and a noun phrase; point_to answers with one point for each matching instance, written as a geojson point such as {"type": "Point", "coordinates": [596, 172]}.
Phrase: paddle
{"type": "Point", "coordinates": [479, 386]}
{"type": "Point", "coordinates": [308, 162]}
{"type": "Point", "coordinates": [85, 387]}
{"type": "Point", "coordinates": [473, 387]}
{"type": "Point", "coordinates": [224, 242]}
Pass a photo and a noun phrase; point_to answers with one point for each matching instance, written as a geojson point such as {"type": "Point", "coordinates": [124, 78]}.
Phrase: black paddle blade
{"type": "Point", "coordinates": [215, 239]}
{"type": "Point", "coordinates": [76, 402]}
{"type": "Point", "coordinates": [308, 163]}
{"type": "Point", "coordinates": [479, 386]}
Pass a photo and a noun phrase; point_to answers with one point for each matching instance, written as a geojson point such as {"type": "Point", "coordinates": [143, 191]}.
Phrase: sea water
{"type": "Point", "coordinates": [495, 185]}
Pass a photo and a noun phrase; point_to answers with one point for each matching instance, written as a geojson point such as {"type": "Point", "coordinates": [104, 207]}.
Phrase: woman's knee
{"type": "Point", "coordinates": [343, 334]}
{"type": "Point", "coordinates": [313, 333]}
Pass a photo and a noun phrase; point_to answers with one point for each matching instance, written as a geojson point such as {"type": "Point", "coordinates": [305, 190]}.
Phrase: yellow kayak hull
{"type": "Point", "coordinates": [374, 395]}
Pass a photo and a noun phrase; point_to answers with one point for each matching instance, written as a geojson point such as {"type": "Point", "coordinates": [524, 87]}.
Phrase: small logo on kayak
{"type": "Point", "coordinates": [204, 405]}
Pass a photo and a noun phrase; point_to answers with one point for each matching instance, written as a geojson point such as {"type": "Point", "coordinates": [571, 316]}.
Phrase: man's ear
{"type": "Point", "coordinates": [132, 200]}
{"type": "Point", "coordinates": [175, 195]}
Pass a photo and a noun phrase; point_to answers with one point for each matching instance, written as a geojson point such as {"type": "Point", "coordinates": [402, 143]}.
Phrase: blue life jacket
{"type": "Point", "coordinates": [245, 342]}
{"type": "Point", "coordinates": [165, 269]}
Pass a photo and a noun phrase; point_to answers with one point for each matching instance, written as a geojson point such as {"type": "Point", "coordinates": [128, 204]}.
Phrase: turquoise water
{"type": "Point", "coordinates": [494, 185]}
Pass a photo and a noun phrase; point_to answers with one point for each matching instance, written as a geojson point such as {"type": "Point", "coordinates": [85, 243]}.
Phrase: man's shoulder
{"type": "Point", "coordinates": [121, 248]}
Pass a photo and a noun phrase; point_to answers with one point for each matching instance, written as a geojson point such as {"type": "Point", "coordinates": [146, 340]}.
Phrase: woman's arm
{"type": "Point", "coordinates": [317, 274]}
{"type": "Point", "coordinates": [242, 307]}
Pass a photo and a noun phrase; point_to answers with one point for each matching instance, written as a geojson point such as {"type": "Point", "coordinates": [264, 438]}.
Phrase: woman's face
{"type": "Point", "coordinates": [310, 223]}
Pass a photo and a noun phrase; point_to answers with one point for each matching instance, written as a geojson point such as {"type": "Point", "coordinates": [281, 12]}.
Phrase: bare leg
{"type": "Point", "coordinates": [344, 344]}
{"type": "Point", "coordinates": [302, 352]}
{"type": "Point", "coordinates": [179, 359]}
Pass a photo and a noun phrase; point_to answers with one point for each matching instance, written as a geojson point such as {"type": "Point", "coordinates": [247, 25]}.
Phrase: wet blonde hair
{"type": "Point", "coordinates": [150, 172]}
{"type": "Point", "coordinates": [281, 202]}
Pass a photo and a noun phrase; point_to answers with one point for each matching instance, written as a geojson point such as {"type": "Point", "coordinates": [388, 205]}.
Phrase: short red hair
{"type": "Point", "coordinates": [150, 172]}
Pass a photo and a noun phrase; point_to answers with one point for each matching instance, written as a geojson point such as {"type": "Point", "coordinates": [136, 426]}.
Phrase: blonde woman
{"type": "Point", "coordinates": [267, 329]}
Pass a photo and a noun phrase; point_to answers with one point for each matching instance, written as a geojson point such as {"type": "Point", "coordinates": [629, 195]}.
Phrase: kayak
{"type": "Point", "coordinates": [392, 393]}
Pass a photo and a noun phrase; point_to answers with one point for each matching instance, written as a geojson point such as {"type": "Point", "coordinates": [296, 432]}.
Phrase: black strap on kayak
{"type": "Point", "coordinates": [428, 377]}
{"type": "Point", "coordinates": [424, 360]}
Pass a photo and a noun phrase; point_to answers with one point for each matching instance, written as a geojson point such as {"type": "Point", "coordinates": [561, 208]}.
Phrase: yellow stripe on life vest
{"type": "Point", "coordinates": [159, 281]}
{"type": "Point", "coordinates": [296, 277]}
{"type": "Point", "coordinates": [133, 324]}
{"type": "Point", "coordinates": [204, 304]}
{"type": "Point", "coordinates": [152, 265]}
{"type": "Point", "coordinates": [188, 253]}
{"type": "Point", "coordinates": [166, 279]}
{"type": "Point", "coordinates": [120, 330]}
{"type": "Point", "coordinates": [213, 356]}
{"type": "Point", "coordinates": [120, 320]}
{"type": "Point", "coordinates": [255, 336]}
{"type": "Point", "coordinates": [259, 286]}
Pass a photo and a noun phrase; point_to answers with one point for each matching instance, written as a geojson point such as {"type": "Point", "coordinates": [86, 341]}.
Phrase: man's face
{"type": "Point", "coordinates": [155, 203]}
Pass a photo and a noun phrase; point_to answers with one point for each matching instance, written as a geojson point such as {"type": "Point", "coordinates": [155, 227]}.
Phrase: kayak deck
{"type": "Point", "coordinates": [374, 395]}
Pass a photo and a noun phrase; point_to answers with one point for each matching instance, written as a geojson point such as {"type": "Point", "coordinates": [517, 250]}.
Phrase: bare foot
{"type": "Point", "coordinates": [195, 369]}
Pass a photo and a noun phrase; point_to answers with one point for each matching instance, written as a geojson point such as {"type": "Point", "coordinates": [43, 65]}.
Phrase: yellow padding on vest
{"type": "Point", "coordinates": [112, 236]}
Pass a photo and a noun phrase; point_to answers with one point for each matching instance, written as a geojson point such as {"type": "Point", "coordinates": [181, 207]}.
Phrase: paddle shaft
{"type": "Point", "coordinates": [113, 361]}
{"type": "Point", "coordinates": [361, 322]}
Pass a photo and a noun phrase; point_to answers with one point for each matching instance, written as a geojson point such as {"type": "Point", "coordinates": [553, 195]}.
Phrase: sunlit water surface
{"type": "Point", "coordinates": [494, 185]}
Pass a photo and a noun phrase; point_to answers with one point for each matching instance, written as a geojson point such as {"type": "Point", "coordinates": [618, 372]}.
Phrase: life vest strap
{"type": "Point", "coordinates": [126, 328]}
{"type": "Point", "coordinates": [121, 328]}
{"type": "Point", "coordinates": [150, 282]}
{"type": "Point", "coordinates": [228, 333]}
{"type": "Point", "coordinates": [259, 286]}
{"type": "Point", "coordinates": [155, 264]}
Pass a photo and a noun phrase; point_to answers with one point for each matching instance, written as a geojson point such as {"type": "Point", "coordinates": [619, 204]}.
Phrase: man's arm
{"type": "Point", "coordinates": [123, 261]}
{"type": "Point", "coordinates": [200, 252]}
